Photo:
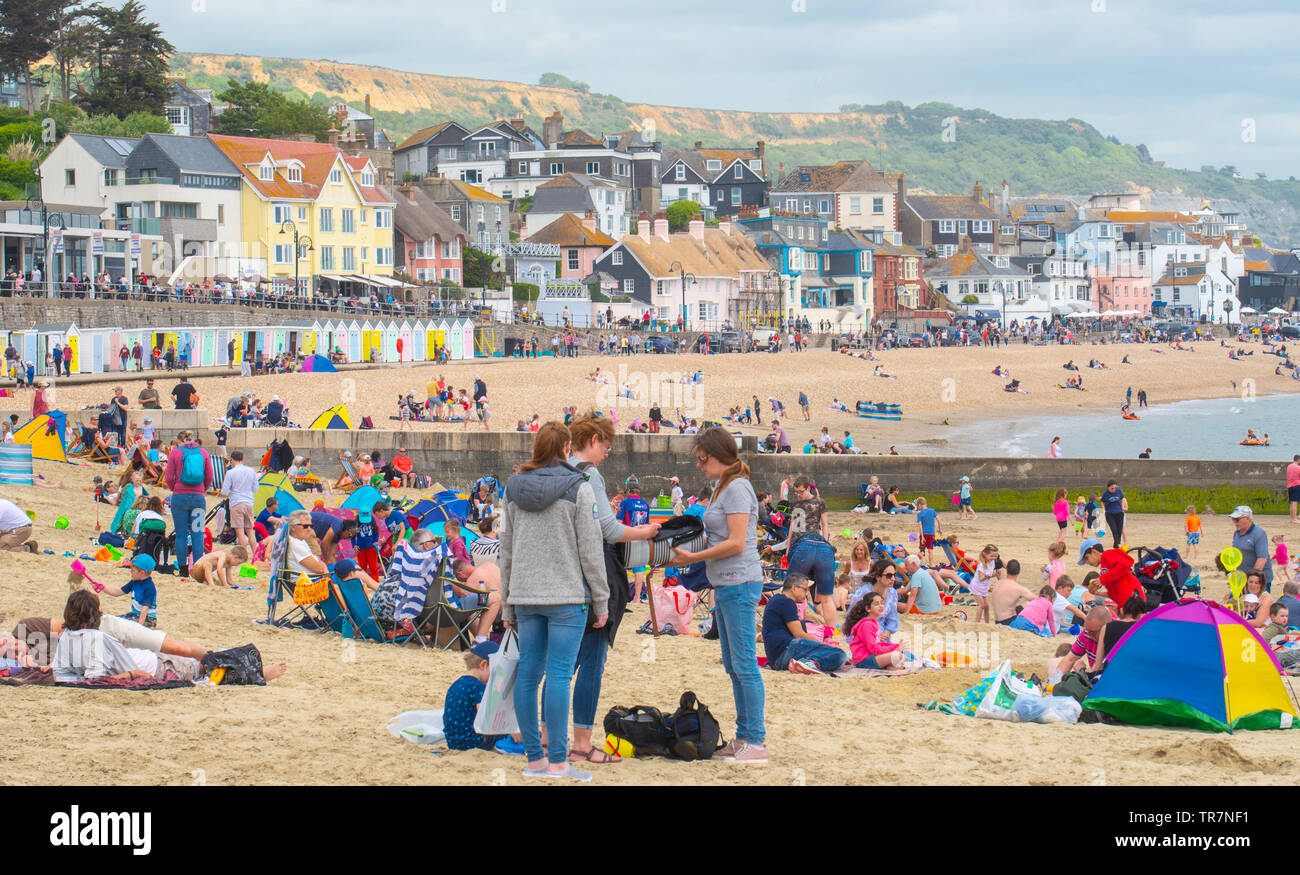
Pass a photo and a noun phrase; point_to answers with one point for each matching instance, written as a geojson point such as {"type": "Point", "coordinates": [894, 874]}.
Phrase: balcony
{"type": "Point", "coordinates": [148, 180]}
{"type": "Point", "coordinates": [150, 227]}
{"type": "Point", "coordinates": [460, 156]}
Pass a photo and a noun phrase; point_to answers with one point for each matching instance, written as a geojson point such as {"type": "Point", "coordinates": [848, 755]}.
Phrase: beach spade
{"type": "Point", "coordinates": [1236, 583]}
{"type": "Point", "coordinates": [846, 534]}
{"type": "Point", "coordinates": [1231, 558]}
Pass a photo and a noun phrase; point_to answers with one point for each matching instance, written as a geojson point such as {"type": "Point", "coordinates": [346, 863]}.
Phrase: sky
{"type": "Point", "coordinates": [1198, 82]}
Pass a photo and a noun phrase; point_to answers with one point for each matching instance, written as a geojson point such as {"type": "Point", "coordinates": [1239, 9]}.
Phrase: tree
{"type": "Point", "coordinates": [478, 269]}
{"type": "Point", "coordinates": [130, 64]}
{"type": "Point", "coordinates": [256, 110]}
{"type": "Point", "coordinates": [557, 80]}
{"type": "Point", "coordinates": [971, 299]}
{"type": "Point", "coordinates": [135, 125]}
{"type": "Point", "coordinates": [74, 41]}
{"type": "Point", "coordinates": [680, 214]}
{"type": "Point", "coordinates": [27, 29]}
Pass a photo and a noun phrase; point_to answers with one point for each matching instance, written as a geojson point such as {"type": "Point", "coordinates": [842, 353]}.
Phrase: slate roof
{"type": "Point", "coordinates": [194, 154]}
{"type": "Point", "coordinates": [972, 263]}
{"type": "Point", "coordinates": [108, 151]}
{"type": "Point", "coordinates": [424, 135]}
{"type": "Point", "coordinates": [697, 160]}
{"type": "Point", "coordinates": [844, 176]}
{"type": "Point", "coordinates": [718, 254]}
{"type": "Point", "coordinates": [930, 208]}
{"type": "Point", "coordinates": [567, 193]}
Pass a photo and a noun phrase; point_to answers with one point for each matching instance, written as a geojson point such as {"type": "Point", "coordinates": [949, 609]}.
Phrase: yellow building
{"type": "Point", "coordinates": [343, 219]}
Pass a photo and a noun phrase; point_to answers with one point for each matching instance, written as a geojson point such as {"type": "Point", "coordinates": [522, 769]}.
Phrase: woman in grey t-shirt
{"type": "Point", "coordinates": [732, 564]}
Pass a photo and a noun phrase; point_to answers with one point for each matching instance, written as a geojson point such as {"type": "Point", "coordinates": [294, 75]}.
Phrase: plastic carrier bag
{"type": "Point", "coordinates": [1000, 701]}
{"type": "Point", "coordinates": [419, 727]}
{"type": "Point", "coordinates": [496, 710]}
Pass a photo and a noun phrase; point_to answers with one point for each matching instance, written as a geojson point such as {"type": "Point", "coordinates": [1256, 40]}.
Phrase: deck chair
{"type": "Point", "coordinates": [100, 454]}
{"type": "Point", "coordinates": [308, 601]}
{"type": "Point", "coordinates": [82, 444]}
{"type": "Point", "coordinates": [349, 474]}
{"type": "Point", "coordinates": [218, 474]}
{"type": "Point", "coordinates": [349, 613]}
{"type": "Point", "coordinates": [153, 471]}
{"type": "Point", "coordinates": [449, 615]}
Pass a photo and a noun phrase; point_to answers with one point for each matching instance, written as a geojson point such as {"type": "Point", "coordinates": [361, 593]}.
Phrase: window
{"type": "Point", "coordinates": [621, 169]}
{"type": "Point", "coordinates": [265, 172]}
{"type": "Point", "coordinates": [349, 225]}
{"type": "Point", "coordinates": [798, 232]}
{"type": "Point", "coordinates": [573, 259]}
{"type": "Point", "coordinates": [498, 215]}
{"type": "Point", "coordinates": [981, 226]}
{"type": "Point", "coordinates": [523, 168]}
{"type": "Point", "coordinates": [713, 164]}
{"type": "Point", "coordinates": [659, 288]}
{"type": "Point", "coordinates": [221, 214]}
{"type": "Point", "coordinates": [680, 173]}
{"type": "Point", "coordinates": [947, 226]}
{"type": "Point", "coordinates": [946, 250]}
{"type": "Point", "coordinates": [302, 214]}
{"type": "Point", "coordinates": [739, 171]}
{"type": "Point", "coordinates": [617, 258]}
{"type": "Point", "coordinates": [451, 273]}
{"type": "Point", "coordinates": [281, 213]}
{"type": "Point", "coordinates": [110, 177]}
{"type": "Point", "coordinates": [365, 252]}
{"type": "Point", "coordinates": [177, 115]}
{"type": "Point", "coordinates": [473, 177]}
{"type": "Point", "coordinates": [367, 178]}
{"type": "Point", "coordinates": [326, 257]}
{"type": "Point", "coordinates": [756, 165]}
{"type": "Point", "coordinates": [865, 267]}
{"type": "Point", "coordinates": [384, 256]}
{"type": "Point", "coordinates": [327, 219]}
{"type": "Point", "coordinates": [349, 258]}
{"type": "Point", "coordinates": [478, 216]}
{"type": "Point", "coordinates": [722, 194]}
{"type": "Point", "coordinates": [1106, 231]}
{"type": "Point", "coordinates": [855, 206]}
{"type": "Point", "coordinates": [363, 216]}
{"type": "Point", "coordinates": [69, 177]}
{"type": "Point", "coordinates": [171, 210]}
{"type": "Point", "coordinates": [283, 253]}
{"type": "Point", "coordinates": [736, 196]}
{"type": "Point", "coordinates": [294, 173]}
{"type": "Point", "coordinates": [877, 206]}
{"type": "Point", "coordinates": [336, 175]}
{"type": "Point", "coordinates": [593, 168]}
{"type": "Point", "coordinates": [383, 218]}
{"type": "Point", "coordinates": [823, 206]}
{"type": "Point", "coordinates": [455, 212]}
{"type": "Point", "coordinates": [791, 205]}
{"type": "Point", "coordinates": [557, 167]}
{"type": "Point", "coordinates": [487, 148]}
{"type": "Point", "coordinates": [629, 286]}
{"type": "Point", "coordinates": [961, 226]}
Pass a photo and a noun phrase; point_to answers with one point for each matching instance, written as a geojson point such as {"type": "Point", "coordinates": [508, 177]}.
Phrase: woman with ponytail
{"type": "Point", "coordinates": [733, 567]}
{"type": "Point", "coordinates": [552, 577]}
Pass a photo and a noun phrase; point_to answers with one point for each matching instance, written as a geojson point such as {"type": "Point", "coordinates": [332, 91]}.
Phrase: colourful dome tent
{"type": "Point", "coordinates": [44, 435]}
{"type": "Point", "coordinates": [318, 364]}
{"type": "Point", "coordinates": [444, 506]}
{"type": "Point", "coordinates": [364, 498]}
{"type": "Point", "coordinates": [335, 418]}
{"type": "Point", "coordinates": [1196, 664]}
{"type": "Point", "coordinates": [280, 486]}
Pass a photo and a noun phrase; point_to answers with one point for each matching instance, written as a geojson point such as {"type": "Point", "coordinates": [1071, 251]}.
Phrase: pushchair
{"type": "Point", "coordinates": [1164, 574]}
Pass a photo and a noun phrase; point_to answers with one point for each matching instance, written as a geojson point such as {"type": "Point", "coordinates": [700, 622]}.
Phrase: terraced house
{"type": "Point", "coordinates": [940, 222]}
{"type": "Point", "coordinates": [313, 189]}
{"type": "Point", "coordinates": [850, 195]}
{"type": "Point", "coordinates": [726, 181]}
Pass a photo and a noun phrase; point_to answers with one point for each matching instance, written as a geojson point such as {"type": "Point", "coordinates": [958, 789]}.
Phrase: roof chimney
{"type": "Point", "coordinates": [762, 158]}
{"type": "Point", "coordinates": [551, 129]}
{"type": "Point", "coordinates": [724, 225]}
{"type": "Point", "coordinates": [699, 144]}
{"type": "Point", "coordinates": [517, 123]}
{"type": "Point", "coordinates": [696, 226]}
{"type": "Point", "coordinates": [978, 195]}
{"type": "Point", "coordinates": [661, 226]}
{"type": "Point", "coordinates": [334, 136]}
{"type": "Point", "coordinates": [589, 222]}
{"type": "Point", "coordinates": [367, 104]}
{"type": "Point", "coordinates": [1006, 213]}
{"type": "Point", "coordinates": [965, 243]}
{"type": "Point", "coordinates": [643, 227]}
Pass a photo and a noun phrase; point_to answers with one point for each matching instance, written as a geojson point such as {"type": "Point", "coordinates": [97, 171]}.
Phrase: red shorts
{"type": "Point", "coordinates": [927, 542]}
{"type": "Point", "coordinates": [368, 561]}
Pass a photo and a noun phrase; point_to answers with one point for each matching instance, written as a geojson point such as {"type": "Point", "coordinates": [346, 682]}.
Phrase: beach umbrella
{"type": "Point", "coordinates": [1194, 664]}
{"type": "Point", "coordinates": [1248, 311]}
{"type": "Point", "coordinates": [318, 364]}
{"type": "Point", "coordinates": [335, 418]}
{"type": "Point", "coordinates": [1277, 311]}
{"type": "Point", "coordinates": [44, 435]}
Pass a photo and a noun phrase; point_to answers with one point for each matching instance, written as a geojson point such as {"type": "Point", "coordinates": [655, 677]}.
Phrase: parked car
{"type": "Point", "coordinates": [728, 341]}
{"type": "Point", "coordinates": [1289, 331]}
{"type": "Point", "coordinates": [660, 344]}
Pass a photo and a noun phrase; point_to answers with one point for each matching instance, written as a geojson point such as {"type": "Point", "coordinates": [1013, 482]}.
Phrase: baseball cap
{"type": "Point", "coordinates": [1240, 511]}
{"type": "Point", "coordinates": [148, 419]}
{"type": "Point", "coordinates": [344, 567]}
{"type": "Point", "coordinates": [484, 649]}
{"type": "Point", "coordinates": [144, 562]}
{"type": "Point", "coordinates": [1087, 545]}
{"type": "Point", "coordinates": [364, 516]}
{"type": "Point", "coordinates": [965, 480]}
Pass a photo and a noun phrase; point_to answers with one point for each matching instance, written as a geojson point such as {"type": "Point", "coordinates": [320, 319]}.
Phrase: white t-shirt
{"type": "Point", "coordinates": [299, 550]}
{"type": "Point", "coordinates": [141, 517]}
{"type": "Point", "coordinates": [1060, 606]}
{"type": "Point", "coordinates": [12, 516]}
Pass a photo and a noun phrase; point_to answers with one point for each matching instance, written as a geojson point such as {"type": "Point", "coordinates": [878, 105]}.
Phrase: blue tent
{"type": "Point", "coordinates": [274, 485]}
{"type": "Point", "coordinates": [427, 512]}
{"type": "Point", "coordinates": [364, 498]}
{"type": "Point", "coordinates": [318, 364]}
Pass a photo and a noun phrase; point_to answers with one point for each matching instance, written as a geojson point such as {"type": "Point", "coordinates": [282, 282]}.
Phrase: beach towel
{"type": "Point", "coordinates": [414, 572]}
{"type": "Point", "coordinates": [851, 671]}
{"type": "Point", "coordinates": [44, 677]}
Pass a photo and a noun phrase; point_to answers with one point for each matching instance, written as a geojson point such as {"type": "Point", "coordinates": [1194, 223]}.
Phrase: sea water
{"type": "Point", "coordinates": [1209, 429]}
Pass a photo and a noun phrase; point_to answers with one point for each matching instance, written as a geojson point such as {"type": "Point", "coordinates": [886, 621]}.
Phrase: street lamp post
{"type": "Point", "coordinates": [677, 265]}
{"type": "Point", "coordinates": [298, 241]}
{"type": "Point", "coordinates": [47, 219]}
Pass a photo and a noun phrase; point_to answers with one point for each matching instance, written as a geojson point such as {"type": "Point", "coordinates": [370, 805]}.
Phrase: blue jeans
{"type": "Point", "coordinates": [814, 558]}
{"type": "Point", "coordinates": [187, 518]}
{"type": "Point", "coordinates": [828, 657]}
{"type": "Point", "coordinates": [549, 639]}
{"type": "Point", "coordinates": [1025, 626]}
{"type": "Point", "coordinates": [736, 613]}
{"type": "Point", "coordinates": [591, 671]}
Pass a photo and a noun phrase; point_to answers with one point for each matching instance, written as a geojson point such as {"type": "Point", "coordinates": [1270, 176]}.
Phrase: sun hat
{"type": "Point", "coordinates": [144, 562]}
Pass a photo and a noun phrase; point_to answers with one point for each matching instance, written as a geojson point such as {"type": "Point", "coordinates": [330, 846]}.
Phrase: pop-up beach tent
{"type": "Point", "coordinates": [1196, 664]}
{"type": "Point", "coordinates": [318, 364]}
{"type": "Point", "coordinates": [44, 435]}
{"type": "Point", "coordinates": [279, 486]}
{"type": "Point", "coordinates": [336, 417]}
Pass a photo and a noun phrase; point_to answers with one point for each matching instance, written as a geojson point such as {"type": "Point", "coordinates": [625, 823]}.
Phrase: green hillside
{"type": "Point", "coordinates": [1034, 156]}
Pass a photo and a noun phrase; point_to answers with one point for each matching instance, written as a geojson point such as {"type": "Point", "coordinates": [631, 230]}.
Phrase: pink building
{"type": "Point", "coordinates": [580, 242]}
{"type": "Point", "coordinates": [1121, 293]}
{"type": "Point", "coordinates": [428, 241]}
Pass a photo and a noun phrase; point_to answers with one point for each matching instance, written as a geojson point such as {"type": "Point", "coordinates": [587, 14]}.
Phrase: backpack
{"type": "Point", "coordinates": [192, 466]}
{"type": "Point", "coordinates": [643, 727]}
{"type": "Point", "coordinates": [366, 423]}
{"type": "Point", "coordinates": [696, 733]}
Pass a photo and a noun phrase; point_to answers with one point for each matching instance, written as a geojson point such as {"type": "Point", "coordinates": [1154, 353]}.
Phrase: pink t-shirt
{"type": "Point", "coordinates": [1055, 569]}
{"type": "Point", "coordinates": [1061, 510]}
{"type": "Point", "coordinates": [1040, 613]}
{"type": "Point", "coordinates": [1292, 475]}
{"type": "Point", "coordinates": [1280, 556]}
{"type": "Point", "coordinates": [866, 640]}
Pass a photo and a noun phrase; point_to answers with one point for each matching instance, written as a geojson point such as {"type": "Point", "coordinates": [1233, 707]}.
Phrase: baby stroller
{"type": "Point", "coordinates": [1164, 574]}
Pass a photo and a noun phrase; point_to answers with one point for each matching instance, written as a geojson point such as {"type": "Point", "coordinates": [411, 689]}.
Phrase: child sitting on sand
{"type": "Point", "coordinates": [215, 567]}
{"type": "Point", "coordinates": [460, 706]}
{"type": "Point", "coordinates": [1038, 616]}
{"type": "Point", "coordinates": [866, 646]}
{"type": "Point", "coordinates": [141, 589]}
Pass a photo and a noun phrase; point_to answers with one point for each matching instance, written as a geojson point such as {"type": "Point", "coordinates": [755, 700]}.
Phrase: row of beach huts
{"type": "Point", "coordinates": [97, 350]}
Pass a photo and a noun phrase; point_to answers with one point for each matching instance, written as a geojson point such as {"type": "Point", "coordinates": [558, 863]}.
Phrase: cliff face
{"type": "Point", "coordinates": [943, 148]}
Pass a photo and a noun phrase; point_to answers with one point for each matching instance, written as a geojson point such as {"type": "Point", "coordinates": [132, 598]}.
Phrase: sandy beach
{"type": "Point", "coordinates": [324, 722]}
{"type": "Point", "coordinates": [956, 384]}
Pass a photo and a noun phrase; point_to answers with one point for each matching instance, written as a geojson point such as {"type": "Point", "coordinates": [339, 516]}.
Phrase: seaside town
{"type": "Point", "coordinates": [578, 455]}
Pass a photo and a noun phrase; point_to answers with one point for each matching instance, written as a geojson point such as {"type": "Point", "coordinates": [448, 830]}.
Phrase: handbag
{"type": "Point", "coordinates": [675, 606]}
{"type": "Point", "coordinates": [496, 710]}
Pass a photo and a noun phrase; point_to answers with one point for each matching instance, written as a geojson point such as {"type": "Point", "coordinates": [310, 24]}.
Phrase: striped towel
{"type": "Point", "coordinates": [415, 571]}
{"type": "Point", "coordinates": [16, 464]}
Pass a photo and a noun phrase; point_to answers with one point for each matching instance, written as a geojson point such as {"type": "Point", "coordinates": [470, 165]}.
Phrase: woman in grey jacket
{"type": "Point", "coordinates": [551, 534]}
